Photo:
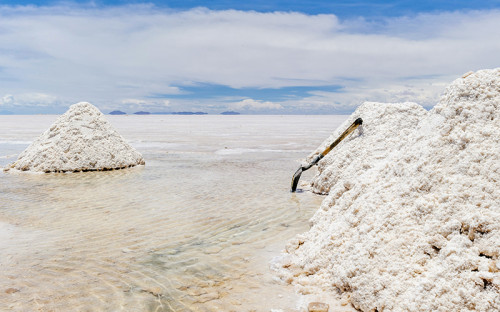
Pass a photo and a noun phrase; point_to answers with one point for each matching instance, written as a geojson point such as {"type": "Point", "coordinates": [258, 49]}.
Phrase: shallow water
{"type": "Point", "coordinates": [193, 230]}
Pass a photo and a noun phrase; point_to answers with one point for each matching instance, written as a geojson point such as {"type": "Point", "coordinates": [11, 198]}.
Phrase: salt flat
{"type": "Point", "coordinates": [194, 229]}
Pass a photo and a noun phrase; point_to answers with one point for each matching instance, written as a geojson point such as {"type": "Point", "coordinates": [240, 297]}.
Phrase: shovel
{"type": "Point", "coordinates": [296, 176]}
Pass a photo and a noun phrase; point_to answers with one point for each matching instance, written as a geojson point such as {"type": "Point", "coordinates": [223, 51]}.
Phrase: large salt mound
{"type": "Point", "coordinates": [385, 126]}
{"type": "Point", "coordinates": [80, 140]}
{"type": "Point", "coordinates": [420, 230]}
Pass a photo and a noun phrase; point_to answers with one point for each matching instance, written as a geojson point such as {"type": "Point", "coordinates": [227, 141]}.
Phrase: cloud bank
{"type": "Point", "coordinates": [109, 55]}
{"type": "Point", "coordinates": [251, 104]}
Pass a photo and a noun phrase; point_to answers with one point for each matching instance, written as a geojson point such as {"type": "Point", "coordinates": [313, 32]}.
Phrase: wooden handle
{"type": "Point", "coordinates": [348, 131]}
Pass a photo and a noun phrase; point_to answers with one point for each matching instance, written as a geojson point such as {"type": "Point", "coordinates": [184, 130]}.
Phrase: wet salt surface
{"type": "Point", "coordinates": [194, 229]}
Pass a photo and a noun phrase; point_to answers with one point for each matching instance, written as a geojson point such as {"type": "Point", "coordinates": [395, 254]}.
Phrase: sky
{"type": "Point", "coordinates": [254, 57]}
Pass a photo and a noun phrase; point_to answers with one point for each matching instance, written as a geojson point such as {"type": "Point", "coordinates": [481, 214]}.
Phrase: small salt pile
{"type": "Point", "coordinates": [80, 140]}
{"type": "Point", "coordinates": [419, 230]}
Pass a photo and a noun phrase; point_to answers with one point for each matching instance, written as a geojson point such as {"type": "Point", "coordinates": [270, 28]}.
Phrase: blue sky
{"type": "Point", "coordinates": [256, 57]}
{"type": "Point", "coordinates": [344, 8]}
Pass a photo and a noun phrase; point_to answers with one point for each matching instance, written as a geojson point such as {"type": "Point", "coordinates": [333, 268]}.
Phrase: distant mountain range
{"type": "Point", "coordinates": [229, 113]}
{"type": "Point", "coordinates": [189, 113]}
{"type": "Point", "coordinates": [117, 112]}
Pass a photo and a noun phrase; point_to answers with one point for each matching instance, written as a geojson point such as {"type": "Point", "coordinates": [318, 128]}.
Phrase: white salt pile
{"type": "Point", "coordinates": [80, 140]}
{"type": "Point", "coordinates": [418, 230]}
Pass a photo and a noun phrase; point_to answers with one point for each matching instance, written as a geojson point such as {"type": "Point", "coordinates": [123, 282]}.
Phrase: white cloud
{"type": "Point", "coordinates": [7, 99]}
{"type": "Point", "coordinates": [250, 104]}
{"type": "Point", "coordinates": [29, 99]}
{"type": "Point", "coordinates": [133, 102]}
{"type": "Point", "coordinates": [156, 105]}
{"type": "Point", "coordinates": [107, 55]}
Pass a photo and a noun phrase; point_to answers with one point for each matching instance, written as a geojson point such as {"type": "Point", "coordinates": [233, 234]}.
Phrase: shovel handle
{"type": "Point", "coordinates": [344, 134]}
{"type": "Point", "coordinates": [296, 176]}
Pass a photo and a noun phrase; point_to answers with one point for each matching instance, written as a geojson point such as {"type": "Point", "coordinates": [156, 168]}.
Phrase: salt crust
{"type": "Point", "coordinates": [80, 140]}
{"type": "Point", "coordinates": [416, 228]}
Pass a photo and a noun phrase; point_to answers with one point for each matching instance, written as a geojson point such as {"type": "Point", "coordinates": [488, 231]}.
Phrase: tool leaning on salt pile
{"type": "Point", "coordinates": [296, 176]}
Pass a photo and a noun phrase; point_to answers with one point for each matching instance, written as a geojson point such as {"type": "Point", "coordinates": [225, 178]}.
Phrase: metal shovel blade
{"type": "Point", "coordinates": [295, 179]}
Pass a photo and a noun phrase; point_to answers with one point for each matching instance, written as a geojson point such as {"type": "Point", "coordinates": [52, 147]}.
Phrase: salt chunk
{"type": "Point", "coordinates": [317, 307]}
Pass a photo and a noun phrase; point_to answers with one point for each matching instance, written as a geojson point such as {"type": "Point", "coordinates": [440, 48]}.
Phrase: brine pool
{"type": "Point", "coordinates": [193, 230]}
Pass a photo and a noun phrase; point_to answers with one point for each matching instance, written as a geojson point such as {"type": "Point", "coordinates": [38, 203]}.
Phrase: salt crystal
{"type": "Point", "coordinates": [317, 307]}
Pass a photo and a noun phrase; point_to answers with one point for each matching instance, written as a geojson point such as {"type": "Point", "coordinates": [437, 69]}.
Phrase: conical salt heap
{"type": "Point", "coordinates": [418, 230]}
{"type": "Point", "coordinates": [80, 140]}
